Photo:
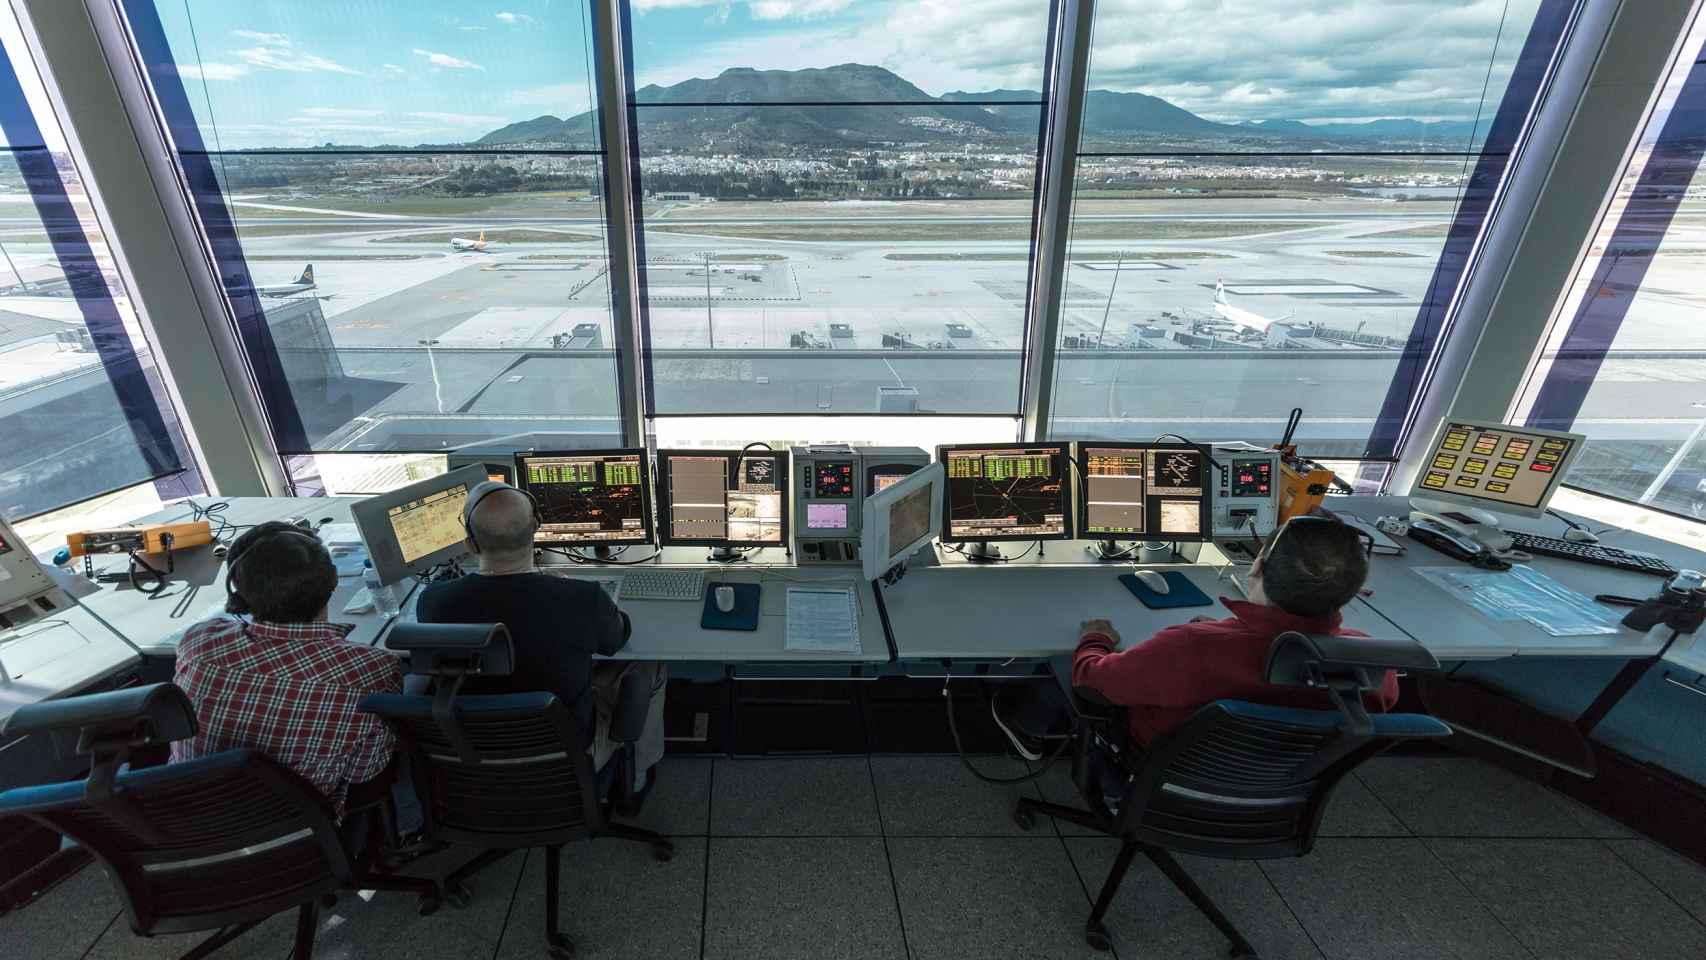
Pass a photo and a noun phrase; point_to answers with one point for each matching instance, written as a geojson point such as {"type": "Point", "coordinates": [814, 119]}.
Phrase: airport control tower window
{"type": "Point", "coordinates": [837, 204]}
{"type": "Point", "coordinates": [84, 410]}
{"type": "Point", "coordinates": [1276, 209]}
{"type": "Point", "coordinates": [406, 205]}
{"type": "Point", "coordinates": [1622, 364]}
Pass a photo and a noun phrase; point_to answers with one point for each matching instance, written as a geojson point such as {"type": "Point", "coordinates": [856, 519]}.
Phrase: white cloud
{"type": "Point", "coordinates": [446, 60]}
{"type": "Point", "coordinates": [393, 70]}
{"type": "Point", "coordinates": [211, 71]}
{"type": "Point", "coordinates": [340, 113]}
{"type": "Point", "coordinates": [459, 119]}
{"type": "Point", "coordinates": [269, 39]}
{"type": "Point", "coordinates": [514, 19]}
{"type": "Point", "coordinates": [795, 9]}
{"type": "Point", "coordinates": [277, 52]}
{"type": "Point", "coordinates": [558, 99]}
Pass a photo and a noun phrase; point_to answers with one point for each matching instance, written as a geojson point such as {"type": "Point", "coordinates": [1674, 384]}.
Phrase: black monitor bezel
{"type": "Point", "coordinates": [648, 528]}
{"type": "Point", "coordinates": [1064, 450]}
{"type": "Point", "coordinates": [1081, 492]}
{"type": "Point", "coordinates": [784, 483]}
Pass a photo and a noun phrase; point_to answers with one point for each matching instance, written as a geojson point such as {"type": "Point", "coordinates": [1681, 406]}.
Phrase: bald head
{"type": "Point", "coordinates": [502, 524]}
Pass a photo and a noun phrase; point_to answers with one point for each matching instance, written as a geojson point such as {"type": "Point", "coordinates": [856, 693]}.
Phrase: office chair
{"type": "Point", "coordinates": [1238, 780]}
{"type": "Point", "coordinates": [219, 843]}
{"type": "Point", "coordinates": [506, 772]}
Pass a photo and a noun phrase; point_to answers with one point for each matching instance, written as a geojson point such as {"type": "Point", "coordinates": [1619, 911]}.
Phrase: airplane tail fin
{"type": "Point", "coordinates": [1219, 291]}
{"type": "Point", "coordinates": [482, 236]}
{"type": "Point", "coordinates": [307, 275]}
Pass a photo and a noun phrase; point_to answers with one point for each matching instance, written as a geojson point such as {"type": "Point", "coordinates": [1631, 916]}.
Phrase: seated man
{"type": "Point", "coordinates": [286, 682]}
{"type": "Point", "coordinates": [1310, 568]}
{"type": "Point", "coordinates": [556, 623]}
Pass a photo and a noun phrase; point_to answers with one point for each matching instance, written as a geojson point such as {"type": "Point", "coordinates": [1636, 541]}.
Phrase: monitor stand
{"type": "Point", "coordinates": [982, 551]}
{"type": "Point", "coordinates": [1108, 551]}
{"type": "Point", "coordinates": [601, 553]}
{"type": "Point", "coordinates": [725, 555]}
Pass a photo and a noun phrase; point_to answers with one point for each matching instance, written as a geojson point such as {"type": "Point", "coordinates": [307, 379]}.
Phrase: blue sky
{"type": "Point", "coordinates": [304, 72]}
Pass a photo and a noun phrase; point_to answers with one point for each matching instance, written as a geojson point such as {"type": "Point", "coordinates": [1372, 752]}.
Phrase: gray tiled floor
{"type": "Point", "coordinates": [913, 857]}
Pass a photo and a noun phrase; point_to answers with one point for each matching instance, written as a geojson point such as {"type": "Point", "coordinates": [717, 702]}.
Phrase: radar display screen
{"type": "Point", "coordinates": [724, 498]}
{"type": "Point", "coordinates": [1144, 491]}
{"type": "Point", "coordinates": [1011, 492]}
{"type": "Point", "coordinates": [588, 497]}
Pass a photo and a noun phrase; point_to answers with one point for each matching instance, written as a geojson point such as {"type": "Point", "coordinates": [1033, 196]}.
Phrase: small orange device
{"type": "Point", "coordinates": [151, 539]}
{"type": "Point", "coordinates": [1303, 483]}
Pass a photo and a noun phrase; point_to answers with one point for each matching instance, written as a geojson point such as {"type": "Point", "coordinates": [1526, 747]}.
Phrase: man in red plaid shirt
{"type": "Point", "coordinates": [287, 682]}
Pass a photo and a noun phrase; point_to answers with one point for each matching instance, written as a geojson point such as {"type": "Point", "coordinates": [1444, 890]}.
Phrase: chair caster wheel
{"type": "Point", "coordinates": [1096, 936]}
{"type": "Point", "coordinates": [1024, 818]}
{"type": "Point", "coordinates": [459, 894]}
{"type": "Point", "coordinates": [559, 946]}
{"type": "Point", "coordinates": [428, 904]}
{"type": "Point", "coordinates": [663, 852]}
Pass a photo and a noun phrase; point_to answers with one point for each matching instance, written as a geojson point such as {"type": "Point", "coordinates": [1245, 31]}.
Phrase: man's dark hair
{"type": "Point", "coordinates": [1313, 566]}
{"type": "Point", "coordinates": [280, 573]}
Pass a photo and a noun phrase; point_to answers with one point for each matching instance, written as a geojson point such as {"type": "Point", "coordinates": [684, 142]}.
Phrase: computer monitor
{"type": "Point", "coordinates": [1478, 466]}
{"type": "Point", "coordinates": [1145, 491]}
{"type": "Point", "coordinates": [1005, 491]}
{"type": "Point", "coordinates": [901, 519]}
{"type": "Point", "coordinates": [588, 498]}
{"type": "Point", "coordinates": [415, 528]}
{"type": "Point", "coordinates": [726, 499]}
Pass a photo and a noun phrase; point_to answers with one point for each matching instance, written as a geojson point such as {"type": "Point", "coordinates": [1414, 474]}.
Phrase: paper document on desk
{"type": "Point", "coordinates": [823, 620]}
{"type": "Point", "coordinates": [1522, 593]}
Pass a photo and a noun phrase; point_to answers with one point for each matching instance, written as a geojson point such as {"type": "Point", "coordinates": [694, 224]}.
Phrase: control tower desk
{"type": "Point", "coordinates": [669, 631]}
{"type": "Point", "coordinates": [196, 588]}
{"type": "Point", "coordinates": [1031, 609]}
{"type": "Point", "coordinates": [1425, 611]}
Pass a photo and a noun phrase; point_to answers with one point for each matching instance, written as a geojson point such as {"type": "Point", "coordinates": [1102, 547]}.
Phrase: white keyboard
{"type": "Point", "coordinates": [662, 585]}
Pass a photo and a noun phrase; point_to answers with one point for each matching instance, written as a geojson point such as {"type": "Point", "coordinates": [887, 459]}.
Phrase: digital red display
{"type": "Point", "coordinates": [1252, 478]}
{"type": "Point", "coordinates": [833, 481]}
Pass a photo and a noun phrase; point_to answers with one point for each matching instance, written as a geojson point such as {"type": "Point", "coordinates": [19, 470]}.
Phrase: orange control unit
{"type": "Point", "coordinates": [146, 539]}
{"type": "Point", "coordinates": [1303, 483]}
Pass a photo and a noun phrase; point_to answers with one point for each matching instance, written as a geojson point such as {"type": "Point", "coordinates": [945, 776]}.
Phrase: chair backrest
{"type": "Point", "coordinates": [1241, 780]}
{"type": "Point", "coordinates": [505, 770]}
{"type": "Point", "coordinates": [220, 840]}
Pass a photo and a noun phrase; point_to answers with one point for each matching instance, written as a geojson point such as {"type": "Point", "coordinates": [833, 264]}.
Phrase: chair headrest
{"type": "Point", "coordinates": [472, 649]}
{"type": "Point", "coordinates": [139, 716]}
{"type": "Point", "coordinates": [1298, 659]}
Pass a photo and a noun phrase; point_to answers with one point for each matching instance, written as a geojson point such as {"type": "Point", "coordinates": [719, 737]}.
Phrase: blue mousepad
{"type": "Point", "coordinates": [743, 617]}
{"type": "Point", "coordinates": [1181, 592]}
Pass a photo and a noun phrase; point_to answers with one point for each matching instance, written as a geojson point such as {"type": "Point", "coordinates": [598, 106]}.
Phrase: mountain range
{"type": "Point", "coordinates": [746, 110]}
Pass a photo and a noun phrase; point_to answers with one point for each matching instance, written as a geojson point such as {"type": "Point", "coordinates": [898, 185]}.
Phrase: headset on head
{"type": "Point", "coordinates": [481, 491]}
{"type": "Point", "coordinates": [235, 556]}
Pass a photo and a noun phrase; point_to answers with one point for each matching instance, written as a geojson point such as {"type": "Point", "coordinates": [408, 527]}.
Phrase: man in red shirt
{"type": "Point", "coordinates": [1310, 568]}
{"type": "Point", "coordinates": [286, 682]}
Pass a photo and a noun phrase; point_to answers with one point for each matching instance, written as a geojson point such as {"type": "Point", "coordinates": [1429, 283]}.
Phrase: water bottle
{"type": "Point", "coordinates": [384, 597]}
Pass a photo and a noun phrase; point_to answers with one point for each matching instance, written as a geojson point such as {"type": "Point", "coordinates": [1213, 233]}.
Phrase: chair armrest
{"type": "Point", "coordinates": [633, 703]}
{"type": "Point", "coordinates": [1090, 706]}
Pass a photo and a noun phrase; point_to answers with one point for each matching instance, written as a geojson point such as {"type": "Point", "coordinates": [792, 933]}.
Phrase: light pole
{"type": "Point", "coordinates": [1676, 459]}
{"type": "Point", "coordinates": [710, 328]}
{"type": "Point", "coordinates": [437, 389]}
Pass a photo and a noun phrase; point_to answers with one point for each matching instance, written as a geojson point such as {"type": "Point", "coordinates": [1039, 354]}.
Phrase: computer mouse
{"type": "Point", "coordinates": [1154, 581]}
{"type": "Point", "coordinates": [725, 599]}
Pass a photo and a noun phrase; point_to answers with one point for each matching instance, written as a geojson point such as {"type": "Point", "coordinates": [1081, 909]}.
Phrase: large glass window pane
{"type": "Point", "coordinates": [406, 205]}
{"type": "Point", "coordinates": [1625, 363]}
{"type": "Point", "coordinates": [1282, 218]}
{"type": "Point", "coordinates": [832, 237]}
{"type": "Point", "coordinates": [84, 411]}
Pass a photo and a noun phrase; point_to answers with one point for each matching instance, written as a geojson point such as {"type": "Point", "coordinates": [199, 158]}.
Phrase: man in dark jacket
{"type": "Point", "coordinates": [557, 624]}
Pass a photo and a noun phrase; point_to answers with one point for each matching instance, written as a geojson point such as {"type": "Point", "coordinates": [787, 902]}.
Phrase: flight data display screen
{"type": "Point", "coordinates": [1252, 478]}
{"type": "Point", "coordinates": [1496, 464]}
{"type": "Point", "coordinates": [730, 498]}
{"type": "Point", "coordinates": [1152, 491]}
{"type": "Point", "coordinates": [883, 481]}
{"type": "Point", "coordinates": [1012, 493]}
{"type": "Point", "coordinates": [826, 516]}
{"type": "Point", "coordinates": [596, 498]}
{"type": "Point", "coordinates": [424, 526]}
{"type": "Point", "coordinates": [833, 481]}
